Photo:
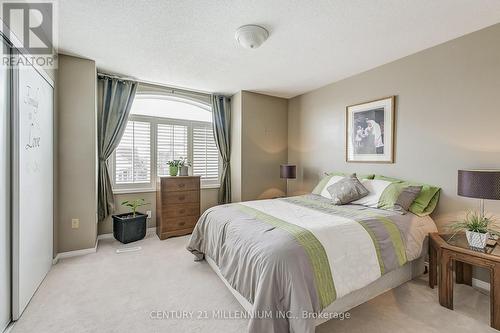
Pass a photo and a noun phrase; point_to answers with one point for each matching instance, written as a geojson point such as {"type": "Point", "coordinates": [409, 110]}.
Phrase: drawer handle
{"type": "Point", "coordinates": [182, 211]}
{"type": "Point", "coordinates": [181, 198]}
{"type": "Point", "coordinates": [181, 185]}
{"type": "Point", "coordinates": [182, 223]}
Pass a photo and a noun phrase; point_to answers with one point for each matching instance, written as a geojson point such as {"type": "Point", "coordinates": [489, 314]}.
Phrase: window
{"type": "Point", "coordinates": [155, 134]}
{"type": "Point", "coordinates": [205, 153]}
{"type": "Point", "coordinates": [171, 143]}
{"type": "Point", "coordinates": [133, 155]}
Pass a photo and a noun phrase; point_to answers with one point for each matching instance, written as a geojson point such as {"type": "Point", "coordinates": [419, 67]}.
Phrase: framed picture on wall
{"type": "Point", "coordinates": [370, 131]}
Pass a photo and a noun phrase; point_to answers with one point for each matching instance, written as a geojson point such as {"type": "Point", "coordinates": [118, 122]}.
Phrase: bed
{"type": "Point", "coordinates": [296, 262]}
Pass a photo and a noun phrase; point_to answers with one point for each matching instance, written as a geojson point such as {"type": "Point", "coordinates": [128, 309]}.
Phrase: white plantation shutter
{"type": "Point", "coordinates": [149, 142]}
{"type": "Point", "coordinates": [171, 143]}
{"type": "Point", "coordinates": [133, 155]}
{"type": "Point", "coordinates": [205, 154]}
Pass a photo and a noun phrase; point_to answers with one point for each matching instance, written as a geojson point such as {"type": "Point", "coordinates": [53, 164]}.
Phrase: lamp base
{"type": "Point", "coordinates": [481, 207]}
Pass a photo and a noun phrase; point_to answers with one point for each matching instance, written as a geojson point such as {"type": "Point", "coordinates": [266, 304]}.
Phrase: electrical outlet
{"type": "Point", "coordinates": [75, 223]}
{"type": "Point", "coordinates": [148, 212]}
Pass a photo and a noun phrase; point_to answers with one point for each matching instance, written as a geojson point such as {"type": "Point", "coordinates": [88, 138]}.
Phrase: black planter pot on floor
{"type": "Point", "coordinates": [128, 228]}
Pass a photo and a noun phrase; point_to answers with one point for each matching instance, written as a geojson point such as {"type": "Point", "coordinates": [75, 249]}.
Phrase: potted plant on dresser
{"type": "Point", "coordinates": [131, 226]}
{"type": "Point", "coordinates": [173, 167]}
{"type": "Point", "coordinates": [184, 167]}
{"type": "Point", "coordinates": [477, 228]}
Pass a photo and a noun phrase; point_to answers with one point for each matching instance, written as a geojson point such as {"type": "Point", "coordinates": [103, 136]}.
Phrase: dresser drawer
{"type": "Point", "coordinates": [179, 223]}
{"type": "Point", "coordinates": [177, 205]}
{"type": "Point", "coordinates": [174, 184]}
{"type": "Point", "coordinates": [171, 198]}
{"type": "Point", "coordinates": [189, 209]}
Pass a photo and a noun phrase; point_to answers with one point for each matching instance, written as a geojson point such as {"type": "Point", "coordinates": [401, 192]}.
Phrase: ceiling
{"type": "Point", "coordinates": [190, 43]}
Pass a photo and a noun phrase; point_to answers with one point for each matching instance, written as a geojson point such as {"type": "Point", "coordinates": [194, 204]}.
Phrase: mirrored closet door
{"type": "Point", "coordinates": [5, 227]}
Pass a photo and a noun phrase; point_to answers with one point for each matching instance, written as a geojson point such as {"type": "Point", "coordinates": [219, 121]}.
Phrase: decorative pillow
{"type": "Point", "coordinates": [375, 188]}
{"type": "Point", "coordinates": [329, 179]}
{"type": "Point", "coordinates": [426, 201]}
{"type": "Point", "coordinates": [347, 174]}
{"type": "Point", "coordinates": [390, 195]}
{"type": "Point", "coordinates": [322, 187]}
{"type": "Point", "coordinates": [346, 190]}
{"type": "Point", "coordinates": [406, 198]}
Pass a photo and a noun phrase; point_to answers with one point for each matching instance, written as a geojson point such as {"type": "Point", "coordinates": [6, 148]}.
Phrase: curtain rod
{"type": "Point", "coordinates": [155, 84]}
{"type": "Point", "coordinates": [114, 76]}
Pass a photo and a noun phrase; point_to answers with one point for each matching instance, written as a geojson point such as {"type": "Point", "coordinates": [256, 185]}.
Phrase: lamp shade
{"type": "Point", "coordinates": [288, 171]}
{"type": "Point", "coordinates": [480, 184]}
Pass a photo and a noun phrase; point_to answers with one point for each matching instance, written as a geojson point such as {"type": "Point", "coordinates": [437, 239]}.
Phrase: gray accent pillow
{"type": "Point", "coordinates": [406, 198]}
{"type": "Point", "coordinates": [347, 190]}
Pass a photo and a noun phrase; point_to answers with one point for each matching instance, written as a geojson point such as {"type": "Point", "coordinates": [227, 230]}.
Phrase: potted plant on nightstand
{"type": "Point", "coordinates": [131, 226]}
{"type": "Point", "coordinates": [477, 228]}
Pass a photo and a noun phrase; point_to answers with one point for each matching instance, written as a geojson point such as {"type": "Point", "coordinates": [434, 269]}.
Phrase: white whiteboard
{"type": "Point", "coordinates": [32, 171]}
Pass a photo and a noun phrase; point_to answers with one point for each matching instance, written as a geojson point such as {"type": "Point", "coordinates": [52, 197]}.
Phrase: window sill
{"type": "Point", "coordinates": [149, 190]}
{"type": "Point", "coordinates": [209, 186]}
{"type": "Point", "coordinates": [133, 190]}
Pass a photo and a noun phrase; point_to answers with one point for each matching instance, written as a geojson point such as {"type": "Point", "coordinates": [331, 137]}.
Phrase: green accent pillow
{"type": "Point", "coordinates": [319, 187]}
{"type": "Point", "coordinates": [328, 175]}
{"type": "Point", "coordinates": [390, 195]}
{"type": "Point", "coordinates": [424, 204]}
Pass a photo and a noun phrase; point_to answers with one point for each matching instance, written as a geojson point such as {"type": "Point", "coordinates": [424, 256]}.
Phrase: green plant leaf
{"type": "Point", "coordinates": [473, 221]}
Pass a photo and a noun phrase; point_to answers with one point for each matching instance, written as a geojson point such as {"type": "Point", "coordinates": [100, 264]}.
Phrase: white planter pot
{"type": "Point", "coordinates": [184, 170]}
{"type": "Point", "coordinates": [476, 239]}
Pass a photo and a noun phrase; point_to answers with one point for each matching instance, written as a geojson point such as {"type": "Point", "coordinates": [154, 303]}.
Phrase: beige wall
{"type": "Point", "coordinates": [448, 113]}
{"type": "Point", "coordinates": [55, 231]}
{"type": "Point", "coordinates": [208, 199]}
{"type": "Point", "coordinates": [236, 147]}
{"type": "Point", "coordinates": [258, 145]}
{"type": "Point", "coordinates": [76, 153]}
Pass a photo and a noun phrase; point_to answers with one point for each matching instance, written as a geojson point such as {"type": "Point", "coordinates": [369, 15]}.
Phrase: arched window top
{"type": "Point", "coordinates": [170, 107]}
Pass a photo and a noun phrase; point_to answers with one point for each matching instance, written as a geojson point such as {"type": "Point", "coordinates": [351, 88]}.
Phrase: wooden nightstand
{"type": "Point", "coordinates": [455, 255]}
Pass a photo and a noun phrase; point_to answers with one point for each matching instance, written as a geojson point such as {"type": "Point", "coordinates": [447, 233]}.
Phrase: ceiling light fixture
{"type": "Point", "coordinates": [251, 36]}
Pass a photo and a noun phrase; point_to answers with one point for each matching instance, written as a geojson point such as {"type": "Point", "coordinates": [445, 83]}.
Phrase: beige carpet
{"type": "Point", "coordinates": [110, 292]}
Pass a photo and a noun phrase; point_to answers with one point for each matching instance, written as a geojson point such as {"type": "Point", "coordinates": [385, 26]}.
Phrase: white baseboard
{"type": "Point", "coordinates": [110, 235]}
{"type": "Point", "coordinates": [9, 327]}
{"type": "Point", "coordinates": [104, 236]}
{"type": "Point", "coordinates": [75, 253]}
{"type": "Point", "coordinates": [480, 284]}
{"type": "Point", "coordinates": [82, 252]}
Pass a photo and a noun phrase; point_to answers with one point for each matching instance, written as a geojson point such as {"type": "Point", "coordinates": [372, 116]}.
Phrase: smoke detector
{"type": "Point", "coordinates": [251, 36]}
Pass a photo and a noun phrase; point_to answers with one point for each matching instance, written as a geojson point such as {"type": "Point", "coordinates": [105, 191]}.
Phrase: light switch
{"type": "Point", "coordinates": [75, 223]}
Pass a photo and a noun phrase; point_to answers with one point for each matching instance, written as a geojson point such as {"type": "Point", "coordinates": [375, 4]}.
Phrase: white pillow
{"type": "Point", "coordinates": [333, 180]}
{"type": "Point", "coordinates": [375, 188]}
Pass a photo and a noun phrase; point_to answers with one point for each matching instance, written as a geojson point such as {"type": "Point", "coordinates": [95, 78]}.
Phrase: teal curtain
{"type": "Point", "coordinates": [115, 100]}
{"type": "Point", "coordinates": [221, 116]}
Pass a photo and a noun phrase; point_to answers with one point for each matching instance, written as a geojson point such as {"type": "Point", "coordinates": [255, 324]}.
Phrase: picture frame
{"type": "Point", "coordinates": [370, 131]}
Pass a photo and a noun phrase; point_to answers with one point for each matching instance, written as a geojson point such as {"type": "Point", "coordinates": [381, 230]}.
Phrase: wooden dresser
{"type": "Point", "coordinates": [177, 205]}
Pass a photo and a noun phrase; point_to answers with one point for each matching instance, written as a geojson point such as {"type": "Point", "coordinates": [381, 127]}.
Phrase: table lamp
{"type": "Point", "coordinates": [288, 171]}
{"type": "Point", "coordinates": [479, 184]}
